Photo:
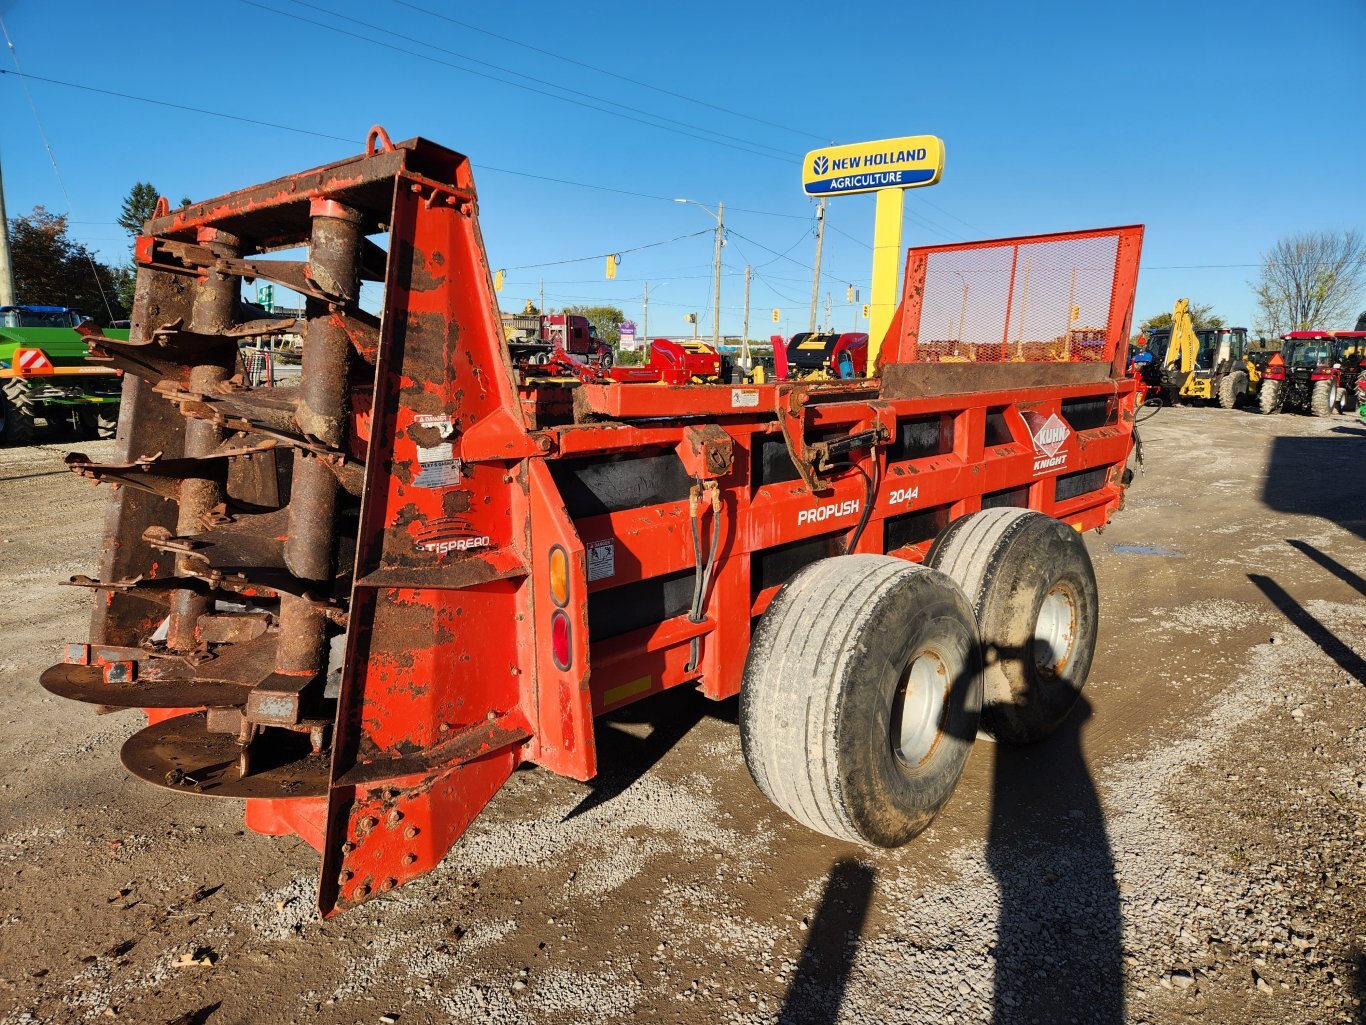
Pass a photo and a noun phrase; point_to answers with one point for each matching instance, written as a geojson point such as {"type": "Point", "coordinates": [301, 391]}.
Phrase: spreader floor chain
{"type": "Point", "coordinates": [358, 601]}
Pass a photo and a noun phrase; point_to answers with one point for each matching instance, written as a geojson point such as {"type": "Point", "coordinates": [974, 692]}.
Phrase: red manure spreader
{"type": "Point", "coordinates": [358, 602]}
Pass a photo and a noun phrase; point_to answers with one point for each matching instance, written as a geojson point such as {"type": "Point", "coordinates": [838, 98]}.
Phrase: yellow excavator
{"type": "Point", "coordinates": [1209, 364]}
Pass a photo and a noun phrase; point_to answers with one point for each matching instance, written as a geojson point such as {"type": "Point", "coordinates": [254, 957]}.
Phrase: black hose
{"type": "Point", "coordinates": [703, 574]}
{"type": "Point", "coordinates": [870, 482]}
{"type": "Point", "coordinates": [1156, 405]}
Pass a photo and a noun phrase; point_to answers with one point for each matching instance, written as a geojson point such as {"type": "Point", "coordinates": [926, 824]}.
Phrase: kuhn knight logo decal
{"type": "Point", "coordinates": [1049, 434]}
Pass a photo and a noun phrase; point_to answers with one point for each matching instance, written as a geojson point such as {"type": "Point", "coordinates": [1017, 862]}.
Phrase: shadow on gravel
{"type": "Point", "coordinates": [1059, 945]}
{"type": "Point", "coordinates": [1359, 990]}
{"type": "Point", "coordinates": [1317, 476]}
{"type": "Point", "coordinates": [818, 986]}
{"type": "Point", "coordinates": [625, 755]}
{"type": "Point", "coordinates": [1309, 625]}
{"type": "Point", "coordinates": [1329, 563]}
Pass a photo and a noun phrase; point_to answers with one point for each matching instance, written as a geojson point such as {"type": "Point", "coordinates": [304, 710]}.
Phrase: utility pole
{"type": "Point", "coordinates": [6, 269]}
{"type": "Point", "coordinates": [820, 242]}
{"type": "Point", "coordinates": [646, 328]}
{"type": "Point", "coordinates": [744, 330]}
{"type": "Point", "coordinates": [716, 309]}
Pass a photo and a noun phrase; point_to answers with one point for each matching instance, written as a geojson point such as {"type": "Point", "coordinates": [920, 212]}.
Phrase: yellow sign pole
{"type": "Point", "coordinates": [891, 206]}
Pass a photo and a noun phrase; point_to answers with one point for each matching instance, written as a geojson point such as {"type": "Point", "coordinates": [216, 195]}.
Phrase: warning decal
{"type": "Point", "coordinates": [602, 559]}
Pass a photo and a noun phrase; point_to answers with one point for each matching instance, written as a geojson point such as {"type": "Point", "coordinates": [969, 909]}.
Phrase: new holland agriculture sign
{"type": "Point", "coordinates": [869, 166]}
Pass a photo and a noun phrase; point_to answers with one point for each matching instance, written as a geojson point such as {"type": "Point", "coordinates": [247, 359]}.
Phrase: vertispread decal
{"type": "Point", "coordinates": [1049, 434]}
{"type": "Point", "coordinates": [447, 534]}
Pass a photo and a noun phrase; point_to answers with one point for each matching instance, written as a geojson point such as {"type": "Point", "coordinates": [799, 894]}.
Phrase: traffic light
{"type": "Point", "coordinates": [265, 296]}
{"type": "Point", "coordinates": [776, 316]}
{"type": "Point", "coordinates": [611, 267]}
{"type": "Point", "coordinates": [867, 309]}
{"type": "Point", "coordinates": [498, 281]}
{"type": "Point", "coordinates": [851, 294]}
{"type": "Point", "coordinates": [1076, 313]}
{"type": "Point", "coordinates": [690, 318]}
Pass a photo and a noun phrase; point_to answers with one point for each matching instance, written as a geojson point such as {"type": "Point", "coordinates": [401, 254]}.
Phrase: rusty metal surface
{"type": "Point", "coordinates": [181, 754]}
{"type": "Point", "coordinates": [153, 688]}
{"type": "Point", "coordinates": [162, 476]}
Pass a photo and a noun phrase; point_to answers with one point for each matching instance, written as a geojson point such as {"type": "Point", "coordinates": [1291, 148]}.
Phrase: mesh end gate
{"type": "Point", "coordinates": [360, 601]}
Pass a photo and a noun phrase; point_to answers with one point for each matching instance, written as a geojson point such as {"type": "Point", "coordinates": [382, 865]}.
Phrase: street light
{"type": "Point", "coordinates": [716, 287]}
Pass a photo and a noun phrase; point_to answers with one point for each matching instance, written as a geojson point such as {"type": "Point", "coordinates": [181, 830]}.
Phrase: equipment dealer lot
{"type": "Point", "coordinates": [1189, 843]}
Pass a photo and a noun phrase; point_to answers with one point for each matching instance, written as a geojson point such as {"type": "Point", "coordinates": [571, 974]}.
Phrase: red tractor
{"type": "Point", "coordinates": [1303, 376]}
{"type": "Point", "coordinates": [1348, 349]}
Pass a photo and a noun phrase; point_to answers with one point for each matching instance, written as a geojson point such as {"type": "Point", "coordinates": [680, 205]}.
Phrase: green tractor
{"type": "Point", "coordinates": [44, 375]}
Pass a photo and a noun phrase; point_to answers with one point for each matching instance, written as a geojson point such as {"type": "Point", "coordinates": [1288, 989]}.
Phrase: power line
{"type": "Point", "coordinates": [777, 255]}
{"type": "Point", "coordinates": [42, 132]}
{"type": "Point", "coordinates": [531, 78]}
{"type": "Point", "coordinates": [617, 252]}
{"type": "Point", "coordinates": [852, 238]}
{"type": "Point", "coordinates": [604, 71]}
{"type": "Point", "coordinates": [350, 140]}
{"type": "Point", "coordinates": [178, 106]}
{"type": "Point", "coordinates": [494, 78]}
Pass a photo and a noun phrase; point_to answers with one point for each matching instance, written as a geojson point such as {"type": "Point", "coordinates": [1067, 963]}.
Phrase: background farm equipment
{"type": "Point", "coordinates": [1305, 375]}
{"type": "Point", "coordinates": [1348, 349]}
{"type": "Point", "coordinates": [1206, 365]}
{"type": "Point", "coordinates": [811, 356]}
{"type": "Point", "coordinates": [45, 378]}
{"type": "Point", "coordinates": [360, 602]}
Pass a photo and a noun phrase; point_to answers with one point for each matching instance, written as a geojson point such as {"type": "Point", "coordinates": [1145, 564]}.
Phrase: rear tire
{"type": "Point", "coordinates": [99, 421]}
{"type": "Point", "coordinates": [1232, 389]}
{"type": "Point", "coordinates": [1269, 396]}
{"type": "Point", "coordinates": [861, 697]}
{"type": "Point", "coordinates": [1033, 589]}
{"type": "Point", "coordinates": [18, 418]}
{"type": "Point", "coordinates": [106, 422]}
{"type": "Point", "coordinates": [1323, 398]}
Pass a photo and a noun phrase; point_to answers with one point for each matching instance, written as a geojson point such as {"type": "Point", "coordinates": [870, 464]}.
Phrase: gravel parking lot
{"type": "Point", "coordinates": [1188, 846]}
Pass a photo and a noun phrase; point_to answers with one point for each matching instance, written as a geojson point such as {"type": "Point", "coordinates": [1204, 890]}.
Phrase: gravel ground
{"type": "Point", "coordinates": [1188, 846]}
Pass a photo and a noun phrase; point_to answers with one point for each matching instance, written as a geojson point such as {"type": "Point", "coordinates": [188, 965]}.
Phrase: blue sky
{"type": "Point", "coordinates": [1220, 126]}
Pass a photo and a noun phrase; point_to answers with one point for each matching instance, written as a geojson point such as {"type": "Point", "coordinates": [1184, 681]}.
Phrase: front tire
{"type": "Point", "coordinates": [1232, 389]}
{"type": "Point", "coordinates": [1269, 396]}
{"type": "Point", "coordinates": [861, 697]}
{"type": "Point", "coordinates": [18, 413]}
{"type": "Point", "coordinates": [1033, 589]}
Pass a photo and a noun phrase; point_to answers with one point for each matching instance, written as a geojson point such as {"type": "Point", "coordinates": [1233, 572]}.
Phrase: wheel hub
{"type": "Point", "coordinates": [1055, 630]}
{"type": "Point", "coordinates": [919, 707]}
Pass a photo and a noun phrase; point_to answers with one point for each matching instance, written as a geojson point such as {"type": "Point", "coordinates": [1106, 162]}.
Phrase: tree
{"type": "Point", "coordinates": [1202, 315]}
{"type": "Point", "coordinates": [1361, 321]}
{"type": "Point", "coordinates": [52, 269]}
{"type": "Point", "coordinates": [1314, 279]}
{"type": "Point", "coordinates": [125, 284]}
{"type": "Point", "coordinates": [139, 205]}
{"type": "Point", "coordinates": [604, 318]}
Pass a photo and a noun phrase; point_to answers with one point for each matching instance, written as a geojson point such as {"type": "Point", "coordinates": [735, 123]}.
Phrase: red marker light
{"type": "Point", "coordinates": [559, 639]}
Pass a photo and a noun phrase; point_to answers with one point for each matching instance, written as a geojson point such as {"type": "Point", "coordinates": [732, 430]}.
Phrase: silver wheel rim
{"type": "Point", "coordinates": [1055, 631]}
{"type": "Point", "coordinates": [919, 707]}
